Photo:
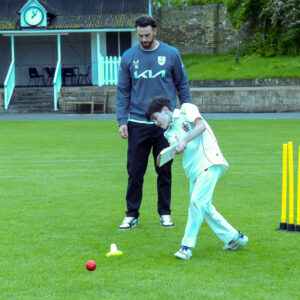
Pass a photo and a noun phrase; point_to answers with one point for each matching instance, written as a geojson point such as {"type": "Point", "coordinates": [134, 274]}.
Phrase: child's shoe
{"type": "Point", "coordinates": [238, 241]}
{"type": "Point", "coordinates": [184, 253]}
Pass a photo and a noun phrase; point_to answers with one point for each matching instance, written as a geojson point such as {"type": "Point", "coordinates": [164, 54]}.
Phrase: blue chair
{"type": "Point", "coordinates": [50, 75]}
{"type": "Point", "coordinates": [85, 77]}
{"type": "Point", "coordinates": [69, 72]}
{"type": "Point", "coordinates": [35, 76]}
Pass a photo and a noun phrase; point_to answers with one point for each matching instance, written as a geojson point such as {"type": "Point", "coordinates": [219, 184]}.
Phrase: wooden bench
{"type": "Point", "coordinates": [89, 102]}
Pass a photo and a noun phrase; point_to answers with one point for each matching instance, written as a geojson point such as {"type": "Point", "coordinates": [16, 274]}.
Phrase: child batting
{"type": "Point", "coordinates": [203, 163]}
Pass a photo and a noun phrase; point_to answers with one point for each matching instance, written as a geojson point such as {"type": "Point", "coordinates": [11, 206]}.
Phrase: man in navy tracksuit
{"type": "Point", "coordinates": [148, 69]}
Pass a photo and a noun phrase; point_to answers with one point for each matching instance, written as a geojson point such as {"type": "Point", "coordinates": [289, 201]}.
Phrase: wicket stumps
{"type": "Point", "coordinates": [288, 177]}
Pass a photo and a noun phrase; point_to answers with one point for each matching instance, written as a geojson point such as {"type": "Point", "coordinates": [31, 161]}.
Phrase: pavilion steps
{"type": "Point", "coordinates": [32, 100]}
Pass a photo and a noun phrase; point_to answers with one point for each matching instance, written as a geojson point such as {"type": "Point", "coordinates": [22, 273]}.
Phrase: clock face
{"type": "Point", "coordinates": [33, 16]}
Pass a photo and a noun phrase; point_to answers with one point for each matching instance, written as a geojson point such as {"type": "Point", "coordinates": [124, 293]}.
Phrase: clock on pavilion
{"type": "Point", "coordinates": [33, 15]}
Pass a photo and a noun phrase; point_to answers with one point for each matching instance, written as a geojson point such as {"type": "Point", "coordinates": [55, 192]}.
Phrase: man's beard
{"type": "Point", "coordinates": [147, 45]}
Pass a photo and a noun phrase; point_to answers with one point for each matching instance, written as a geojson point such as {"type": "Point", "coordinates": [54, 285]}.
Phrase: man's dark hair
{"type": "Point", "coordinates": [145, 21]}
{"type": "Point", "coordinates": [156, 105]}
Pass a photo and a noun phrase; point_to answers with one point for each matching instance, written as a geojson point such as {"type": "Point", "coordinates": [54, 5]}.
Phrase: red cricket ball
{"type": "Point", "coordinates": [90, 265]}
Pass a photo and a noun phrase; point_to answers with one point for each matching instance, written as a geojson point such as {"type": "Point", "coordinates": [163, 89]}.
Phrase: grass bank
{"type": "Point", "coordinates": [218, 67]}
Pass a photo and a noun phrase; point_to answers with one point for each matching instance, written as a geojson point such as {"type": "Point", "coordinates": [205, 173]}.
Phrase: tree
{"type": "Point", "coordinates": [285, 15]}
{"type": "Point", "coordinates": [275, 24]}
{"type": "Point", "coordinates": [241, 11]}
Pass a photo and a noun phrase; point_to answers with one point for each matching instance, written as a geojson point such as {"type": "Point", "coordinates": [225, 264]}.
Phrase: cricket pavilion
{"type": "Point", "coordinates": [53, 48]}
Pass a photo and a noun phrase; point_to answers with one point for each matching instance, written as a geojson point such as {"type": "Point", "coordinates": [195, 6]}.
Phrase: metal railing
{"type": "Point", "coordinates": [57, 83]}
{"type": "Point", "coordinates": [109, 70]}
{"type": "Point", "coordinates": [9, 84]}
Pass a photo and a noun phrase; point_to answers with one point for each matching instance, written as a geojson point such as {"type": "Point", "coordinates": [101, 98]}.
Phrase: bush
{"type": "Point", "coordinates": [288, 44]}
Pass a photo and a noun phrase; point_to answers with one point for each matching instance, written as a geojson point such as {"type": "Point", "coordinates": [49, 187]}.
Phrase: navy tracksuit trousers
{"type": "Point", "coordinates": [141, 139]}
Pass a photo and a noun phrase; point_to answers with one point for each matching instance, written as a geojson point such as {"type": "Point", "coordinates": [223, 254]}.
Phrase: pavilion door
{"type": "Point", "coordinates": [117, 43]}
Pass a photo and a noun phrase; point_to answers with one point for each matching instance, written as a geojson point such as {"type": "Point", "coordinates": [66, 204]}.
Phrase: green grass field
{"type": "Point", "coordinates": [62, 189]}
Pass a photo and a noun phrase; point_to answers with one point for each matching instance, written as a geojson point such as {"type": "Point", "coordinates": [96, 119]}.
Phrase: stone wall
{"type": "Point", "coordinates": [247, 99]}
{"type": "Point", "coordinates": [259, 82]}
{"type": "Point", "coordinates": [214, 96]}
{"type": "Point", "coordinates": [238, 99]}
{"type": "Point", "coordinates": [225, 99]}
{"type": "Point", "coordinates": [203, 29]}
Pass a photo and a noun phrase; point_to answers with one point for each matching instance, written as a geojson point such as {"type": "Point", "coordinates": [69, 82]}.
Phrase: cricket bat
{"type": "Point", "coordinates": [165, 155]}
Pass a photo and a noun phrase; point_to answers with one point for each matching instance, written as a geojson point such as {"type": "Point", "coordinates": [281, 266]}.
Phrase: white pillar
{"type": "Point", "coordinates": [12, 42]}
{"type": "Point", "coordinates": [95, 54]}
